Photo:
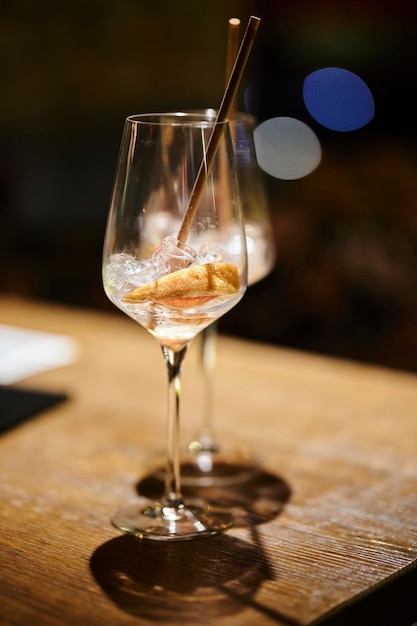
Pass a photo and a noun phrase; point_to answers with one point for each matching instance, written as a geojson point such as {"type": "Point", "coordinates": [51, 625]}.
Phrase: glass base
{"type": "Point", "coordinates": [147, 519]}
{"type": "Point", "coordinates": [207, 466]}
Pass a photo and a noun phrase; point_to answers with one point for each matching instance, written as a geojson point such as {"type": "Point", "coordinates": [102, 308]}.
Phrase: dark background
{"type": "Point", "coordinates": [346, 274]}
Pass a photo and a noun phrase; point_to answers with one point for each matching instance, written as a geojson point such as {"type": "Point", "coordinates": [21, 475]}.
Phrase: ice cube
{"type": "Point", "coordinates": [172, 255]}
{"type": "Point", "coordinates": [122, 267]}
{"type": "Point", "coordinates": [125, 272]}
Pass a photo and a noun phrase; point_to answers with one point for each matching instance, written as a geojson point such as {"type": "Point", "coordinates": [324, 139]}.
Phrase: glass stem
{"type": "Point", "coordinates": [173, 359]}
{"type": "Point", "coordinates": [208, 362]}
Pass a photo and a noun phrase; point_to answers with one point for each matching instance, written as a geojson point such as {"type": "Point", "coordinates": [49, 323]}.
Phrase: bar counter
{"type": "Point", "coordinates": [325, 532]}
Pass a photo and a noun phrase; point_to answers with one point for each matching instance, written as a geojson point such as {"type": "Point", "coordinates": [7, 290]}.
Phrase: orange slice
{"type": "Point", "coordinates": [192, 286]}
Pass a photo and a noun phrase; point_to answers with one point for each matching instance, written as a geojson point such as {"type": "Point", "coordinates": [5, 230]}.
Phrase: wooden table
{"type": "Point", "coordinates": [332, 514]}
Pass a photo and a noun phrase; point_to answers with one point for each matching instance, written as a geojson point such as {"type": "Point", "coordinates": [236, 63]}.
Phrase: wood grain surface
{"type": "Point", "coordinates": [332, 512]}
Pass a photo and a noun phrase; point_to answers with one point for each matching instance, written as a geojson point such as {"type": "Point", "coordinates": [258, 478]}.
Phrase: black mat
{"type": "Point", "coordinates": [18, 405]}
{"type": "Point", "coordinates": [391, 603]}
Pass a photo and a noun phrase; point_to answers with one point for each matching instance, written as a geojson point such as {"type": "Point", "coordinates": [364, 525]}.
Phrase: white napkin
{"type": "Point", "coordinates": [25, 352]}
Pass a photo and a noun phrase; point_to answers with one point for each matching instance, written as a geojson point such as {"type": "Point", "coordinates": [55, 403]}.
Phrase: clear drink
{"type": "Point", "coordinates": [174, 317]}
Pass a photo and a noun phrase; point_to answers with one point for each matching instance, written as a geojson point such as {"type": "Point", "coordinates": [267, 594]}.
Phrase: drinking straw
{"type": "Point", "coordinates": [231, 54]}
{"type": "Point", "coordinates": [222, 116]}
{"type": "Point", "coordinates": [232, 45]}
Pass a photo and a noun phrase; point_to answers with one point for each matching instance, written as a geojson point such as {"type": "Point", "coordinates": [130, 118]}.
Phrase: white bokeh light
{"type": "Point", "coordinates": [286, 148]}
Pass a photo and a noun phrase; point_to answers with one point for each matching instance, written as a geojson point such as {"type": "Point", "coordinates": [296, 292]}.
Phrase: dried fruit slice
{"type": "Point", "coordinates": [189, 287]}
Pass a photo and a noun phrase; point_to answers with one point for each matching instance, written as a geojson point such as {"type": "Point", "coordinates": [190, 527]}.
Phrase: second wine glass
{"type": "Point", "coordinates": [208, 460]}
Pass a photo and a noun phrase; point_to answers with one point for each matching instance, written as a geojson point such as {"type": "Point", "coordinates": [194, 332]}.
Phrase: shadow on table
{"type": "Point", "coordinates": [195, 581]}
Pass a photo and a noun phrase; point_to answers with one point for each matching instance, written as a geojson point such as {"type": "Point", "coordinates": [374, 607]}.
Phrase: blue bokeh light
{"type": "Point", "coordinates": [338, 99]}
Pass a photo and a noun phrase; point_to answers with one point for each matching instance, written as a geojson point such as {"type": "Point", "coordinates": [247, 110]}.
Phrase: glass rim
{"type": "Point", "coordinates": [236, 116]}
{"type": "Point", "coordinates": [203, 117]}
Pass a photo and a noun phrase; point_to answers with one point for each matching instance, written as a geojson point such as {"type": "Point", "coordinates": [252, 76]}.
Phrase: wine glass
{"type": "Point", "coordinates": [207, 460]}
{"type": "Point", "coordinates": [174, 271]}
